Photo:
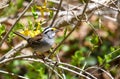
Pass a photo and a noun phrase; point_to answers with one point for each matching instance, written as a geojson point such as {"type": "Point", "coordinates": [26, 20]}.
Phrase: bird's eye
{"type": "Point", "coordinates": [45, 32]}
{"type": "Point", "coordinates": [52, 30]}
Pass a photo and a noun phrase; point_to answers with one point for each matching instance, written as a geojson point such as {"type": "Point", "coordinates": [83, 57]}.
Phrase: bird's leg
{"type": "Point", "coordinates": [42, 56]}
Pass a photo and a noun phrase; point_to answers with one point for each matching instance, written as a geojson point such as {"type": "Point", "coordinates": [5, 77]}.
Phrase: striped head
{"type": "Point", "coordinates": [50, 32]}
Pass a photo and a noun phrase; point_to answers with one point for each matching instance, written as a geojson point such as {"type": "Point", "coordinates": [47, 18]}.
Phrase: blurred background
{"type": "Point", "coordinates": [93, 43]}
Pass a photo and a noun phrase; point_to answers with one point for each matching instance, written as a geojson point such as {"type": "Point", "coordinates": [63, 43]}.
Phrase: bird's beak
{"type": "Point", "coordinates": [57, 30]}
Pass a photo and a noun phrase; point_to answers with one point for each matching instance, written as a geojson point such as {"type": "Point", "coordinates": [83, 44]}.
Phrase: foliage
{"type": "Point", "coordinates": [2, 30]}
{"type": "Point", "coordinates": [92, 43]}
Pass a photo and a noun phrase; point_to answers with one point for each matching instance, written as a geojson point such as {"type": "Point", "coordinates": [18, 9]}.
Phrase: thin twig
{"type": "Point", "coordinates": [59, 6]}
{"type": "Point", "coordinates": [106, 5]}
{"type": "Point", "coordinates": [69, 65]}
{"type": "Point", "coordinates": [46, 64]}
{"type": "Point", "coordinates": [14, 50]}
{"type": "Point", "coordinates": [95, 31]}
{"type": "Point", "coordinates": [62, 67]}
{"type": "Point", "coordinates": [16, 58]}
{"type": "Point", "coordinates": [110, 54]}
{"type": "Point", "coordinates": [53, 67]}
{"type": "Point", "coordinates": [48, 61]}
{"type": "Point", "coordinates": [71, 30]}
{"type": "Point", "coordinates": [8, 32]}
{"type": "Point", "coordinates": [98, 68]}
{"type": "Point", "coordinates": [58, 60]}
{"type": "Point", "coordinates": [12, 74]}
{"type": "Point", "coordinates": [70, 70]}
{"type": "Point", "coordinates": [30, 57]}
{"type": "Point", "coordinates": [53, 70]}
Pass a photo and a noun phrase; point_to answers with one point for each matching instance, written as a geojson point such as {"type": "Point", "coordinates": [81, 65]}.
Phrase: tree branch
{"type": "Point", "coordinates": [79, 22]}
{"type": "Point", "coordinates": [12, 74]}
{"type": "Point", "coordinates": [59, 6]}
{"type": "Point", "coordinates": [4, 38]}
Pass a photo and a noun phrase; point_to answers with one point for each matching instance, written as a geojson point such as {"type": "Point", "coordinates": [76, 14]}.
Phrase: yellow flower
{"type": "Point", "coordinates": [43, 8]}
{"type": "Point", "coordinates": [30, 33]}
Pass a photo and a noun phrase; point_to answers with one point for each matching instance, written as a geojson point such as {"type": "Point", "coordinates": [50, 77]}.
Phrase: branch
{"type": "Point", "coordinates": [4, 4]}
{"type": "Point", "coordinates": [106, 5]}
{"type": "Point", "coordinates": [48, 62]}
{"type": "Point", "coordinates": [69, 65]}
{"type": "Point", "coordinates": [79, 22]}
{"type": "Point", "coordinates": [5, 37]}
{"type": "Point", "coordinates": [98, 68]}
{"type": "Point", "coordinates": [59, 66]}
{"type": "Point", "coordinates": [12, 74]}
{"type": "Point", "coordinates": [70, 19]}
{"type": "Point", "coordinates": [59, 75]}
{"type": "Point", "coordinates": [14, 50]}
{"type": "Point", "coordinates": [59, 6]}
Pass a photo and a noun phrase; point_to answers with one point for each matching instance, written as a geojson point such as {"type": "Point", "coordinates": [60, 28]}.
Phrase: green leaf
{"type": "Point", "coordinates": [18, 26]}
{"type": "Point", "coordinates": [19, 3]}
{"type": "Point", "coordinates": [107, 58]}
{"type": "Point", "coordinates": [51, 14]}
{"type": "Point", "coordinates": [30, 24]}
{"type": "Point", "coordinates": [10, 36]}
{"type": "Point", "coordinates": [107, 66]}
{"type": "Point", "coordinates": [95, 40]}
{"type": "Point", "coordinates": [65, 32]}
{"type": "Point", "coordinates": [112, 49]}
{"type": "Point", "coordinates": [2, 30]}
{"type": "Point", "coordinates": [34, 13]}
{"type": "Point", "coordinates": [100, 60]}
{"type": "Point", "coordinates": [78, 58]}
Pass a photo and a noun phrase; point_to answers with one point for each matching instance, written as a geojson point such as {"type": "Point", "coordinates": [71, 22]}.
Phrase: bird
{"type": "Point", "coordinates": [41, 42]}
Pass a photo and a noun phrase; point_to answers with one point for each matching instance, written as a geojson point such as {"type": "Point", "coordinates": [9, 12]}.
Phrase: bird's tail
{"type": "Point", "coordinates": [21, 35]}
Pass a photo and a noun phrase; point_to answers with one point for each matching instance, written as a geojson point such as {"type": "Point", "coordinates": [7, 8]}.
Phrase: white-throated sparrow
{"type": "Point", "coordinates": [41, 42]}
